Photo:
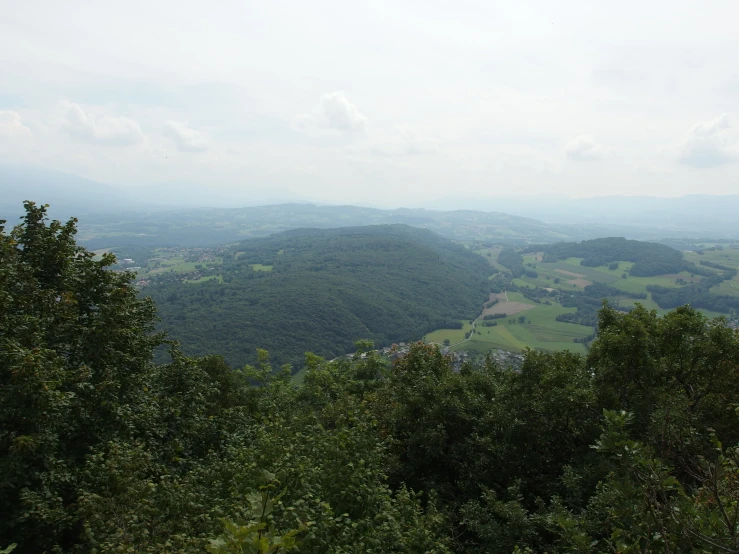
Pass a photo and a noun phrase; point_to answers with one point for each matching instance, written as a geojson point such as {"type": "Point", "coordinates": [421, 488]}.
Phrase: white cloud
{"type": "Point", "coordinates": [342, 114]}
{"type": "Point", "coordinates": [709, 144]}
{"type": "Point", "coordinates": [104, 129]}
{"type": "Point", "coordinates": [12, 128]}
{"type": "Point", "coordinates": [186, 138]}
{"type": "Point", "coordinates": [584, 149]}
{"type": "Point", "coordinates": [335, 112]}
{"type": "Point", "coordinates": [505, 86]}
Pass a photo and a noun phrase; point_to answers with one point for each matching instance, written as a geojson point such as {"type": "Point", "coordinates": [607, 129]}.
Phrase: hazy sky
{"type": "Point", "coordinates": [386, 103]}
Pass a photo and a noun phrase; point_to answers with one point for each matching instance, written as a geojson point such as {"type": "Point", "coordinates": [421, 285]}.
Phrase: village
{"type": "Point", "coordinates": [502, 358]}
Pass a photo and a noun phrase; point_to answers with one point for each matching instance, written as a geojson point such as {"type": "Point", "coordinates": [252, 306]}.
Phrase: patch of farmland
{"type": "Point", "coordinates": [507, 308]}
{"type": "Point", "coordinates": [453, 335]}
{"type": "Point", "coordinates": [730, 288]}
{"type": "Point", "coordinates": [570, 273]}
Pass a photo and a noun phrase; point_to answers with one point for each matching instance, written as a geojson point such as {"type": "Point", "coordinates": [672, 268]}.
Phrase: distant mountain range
{"type": "Point", "coordinates": [165, 214]}
{"type": "Point", "coordinates": [67, 194]}
{"type": "Point", "coordinates": [644, 217]}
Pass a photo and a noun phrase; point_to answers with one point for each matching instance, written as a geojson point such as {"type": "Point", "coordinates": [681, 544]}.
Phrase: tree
{"type": "Point", "coordinates": [101, 450]}
{"type": "Point", "coordinates": [76, 354]}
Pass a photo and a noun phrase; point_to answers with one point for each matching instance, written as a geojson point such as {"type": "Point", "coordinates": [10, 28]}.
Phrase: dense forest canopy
{"type": "Point", "coordinates": [325, 289]}
{"type": "Point", "coordinates": [632, 448]}
{"type": "Point", "coordinates": [649, 258]}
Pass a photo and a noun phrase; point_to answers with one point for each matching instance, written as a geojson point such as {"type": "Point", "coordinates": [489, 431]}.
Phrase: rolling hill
{"type": "Point", "coordinates": [323, 289]}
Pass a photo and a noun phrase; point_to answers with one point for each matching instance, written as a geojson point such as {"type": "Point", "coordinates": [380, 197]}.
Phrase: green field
{"type": "Point", "coordinates": [727, 256]}
{"type": "Point", "coordinates": [453, 335]}
{"type": "Point", "coordinates": [491, 255]}
{"type": "Point", "coordinates": [166, 260]}
{"type": "Point", "coordinates": [541, 330]}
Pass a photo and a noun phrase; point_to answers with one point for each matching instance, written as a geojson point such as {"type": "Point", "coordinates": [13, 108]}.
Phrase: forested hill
{"type": "Point", "coordinates": [632, 448]}
{"type": "Point", "coordinates": [323, 289]}
{"type": "Point", "coordinates": [649, 258]}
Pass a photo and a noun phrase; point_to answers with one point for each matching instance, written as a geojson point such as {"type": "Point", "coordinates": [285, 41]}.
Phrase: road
{"type": "Point", "coordinates": [474, 322]}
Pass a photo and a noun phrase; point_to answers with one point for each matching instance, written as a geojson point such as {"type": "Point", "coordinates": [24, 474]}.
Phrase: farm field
{"type": "Point", "coordinates": [192, 265]}
{"type": "Point", "coordinates": [453, 335]}
{"type": "Point", "coordinates": [728, 256]}
{"type": "Point", "coordinates": [491, 255]}
{"type": "Point", "coordinates": [561, 275]}
{"type": "Point", "coordinates": [541, 330]}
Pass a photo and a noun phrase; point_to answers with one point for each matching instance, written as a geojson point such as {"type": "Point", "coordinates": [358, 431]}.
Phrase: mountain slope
{"type": "Point", "coordinates": [649, 258]}
{"type": "Point", "coordinates": [68, 195]}
{"type": "Point", "coordinates": [326, 289]}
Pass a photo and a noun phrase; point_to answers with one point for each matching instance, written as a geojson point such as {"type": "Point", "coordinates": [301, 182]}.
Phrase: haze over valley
{"type": "Point", "coordinates": [369, 277]}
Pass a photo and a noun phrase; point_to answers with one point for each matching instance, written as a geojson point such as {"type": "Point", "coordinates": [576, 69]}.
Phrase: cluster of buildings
{"type": "Point", "coordinates": [501, 357]}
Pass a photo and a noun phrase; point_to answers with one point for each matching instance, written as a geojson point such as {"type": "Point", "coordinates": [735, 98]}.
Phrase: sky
{"type": "Point", "coordinates": [382, 103]}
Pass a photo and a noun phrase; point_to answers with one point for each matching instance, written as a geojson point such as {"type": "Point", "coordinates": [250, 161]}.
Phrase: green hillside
{"type": "Point", "coordinates": [325, 290]}
{"type": "Point", "coordinates": [649, 258]}
{"type": "Point", "coordinates": [633, 447]}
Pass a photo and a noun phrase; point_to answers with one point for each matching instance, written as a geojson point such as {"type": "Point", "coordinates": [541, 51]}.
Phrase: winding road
{"type": "Point", "coordinates": [474, 322]}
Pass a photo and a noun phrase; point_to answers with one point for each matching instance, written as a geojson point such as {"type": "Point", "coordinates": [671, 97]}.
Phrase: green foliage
{"type": "Point", "coordinates": [327, 289]}
{"type": "Point", "coordinates": [256, 535]}
{"type": "Point", "coordinates": [649, 258]}
{"type": "Point", "coordinates": [698, 295]}
{"type": "Point", "coordinates": [513, 260]}
{"type": "Point", "coordinates": [75, 351]}
{"type": "Point", "coordinates": [634, 448]}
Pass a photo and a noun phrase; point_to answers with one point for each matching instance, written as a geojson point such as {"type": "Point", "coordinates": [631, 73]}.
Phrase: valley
{"type": "Point", "coordinates": [556, 301]}
{"type": "Point", "coordinates": [311, 289]}
{"type": "Point", "coordinates": [539, 296]}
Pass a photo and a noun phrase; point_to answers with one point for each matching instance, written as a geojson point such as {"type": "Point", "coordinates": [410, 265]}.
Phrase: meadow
{"type": "Point", "coordinates": [541, 330]}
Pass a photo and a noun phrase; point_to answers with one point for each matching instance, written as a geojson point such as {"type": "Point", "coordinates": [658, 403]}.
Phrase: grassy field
{"type": "Point", "coordinates": [165, 260]}
{"type": "Point", "coordinates": [727, 256]}
{"type": "Point", "coordinates": [491, 255]}
{"type": "Point", "coordinates": [453, 335]}
{"type": "Point", "coordinates": [540, 330]}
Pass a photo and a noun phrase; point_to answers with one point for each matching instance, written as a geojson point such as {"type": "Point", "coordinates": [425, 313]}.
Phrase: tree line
{"type": "Point", "coordinates": [649, 258]}
{"type": "Point", "coordinates": [631, 448]}
{"type": "Point", "coordinates": [328, 287]}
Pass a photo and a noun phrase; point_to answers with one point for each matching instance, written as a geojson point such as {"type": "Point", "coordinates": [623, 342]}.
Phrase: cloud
{"type": "Point", "coordinates": [342, 114]}
{"type": "Point", "coordinates": [186, 138]}
{"type": "Point", "coordinates": [408, 142]}
{"type": "Point", "coordinates": [335, 112]}
{"type": "Point", "coordinates": [709, 144]}
{"type": "Point", "coordinates": [105, 129]}
{"type": "Point", "coordinates": [12, 128]}
{"type": "Point", "coordinates": [584, 149]}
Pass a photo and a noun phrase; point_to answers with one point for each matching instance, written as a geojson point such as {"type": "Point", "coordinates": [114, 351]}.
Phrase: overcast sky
{"type": "Point", "coordinates": [387, 103]}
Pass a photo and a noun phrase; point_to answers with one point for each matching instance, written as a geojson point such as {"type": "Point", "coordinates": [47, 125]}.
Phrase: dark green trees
{"type": "Point", "coordinates": [101, 450]}
{"type": "Point", "coordinates": [75, 354]}
{"type": "Point", "coordinates": [630, 449]}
